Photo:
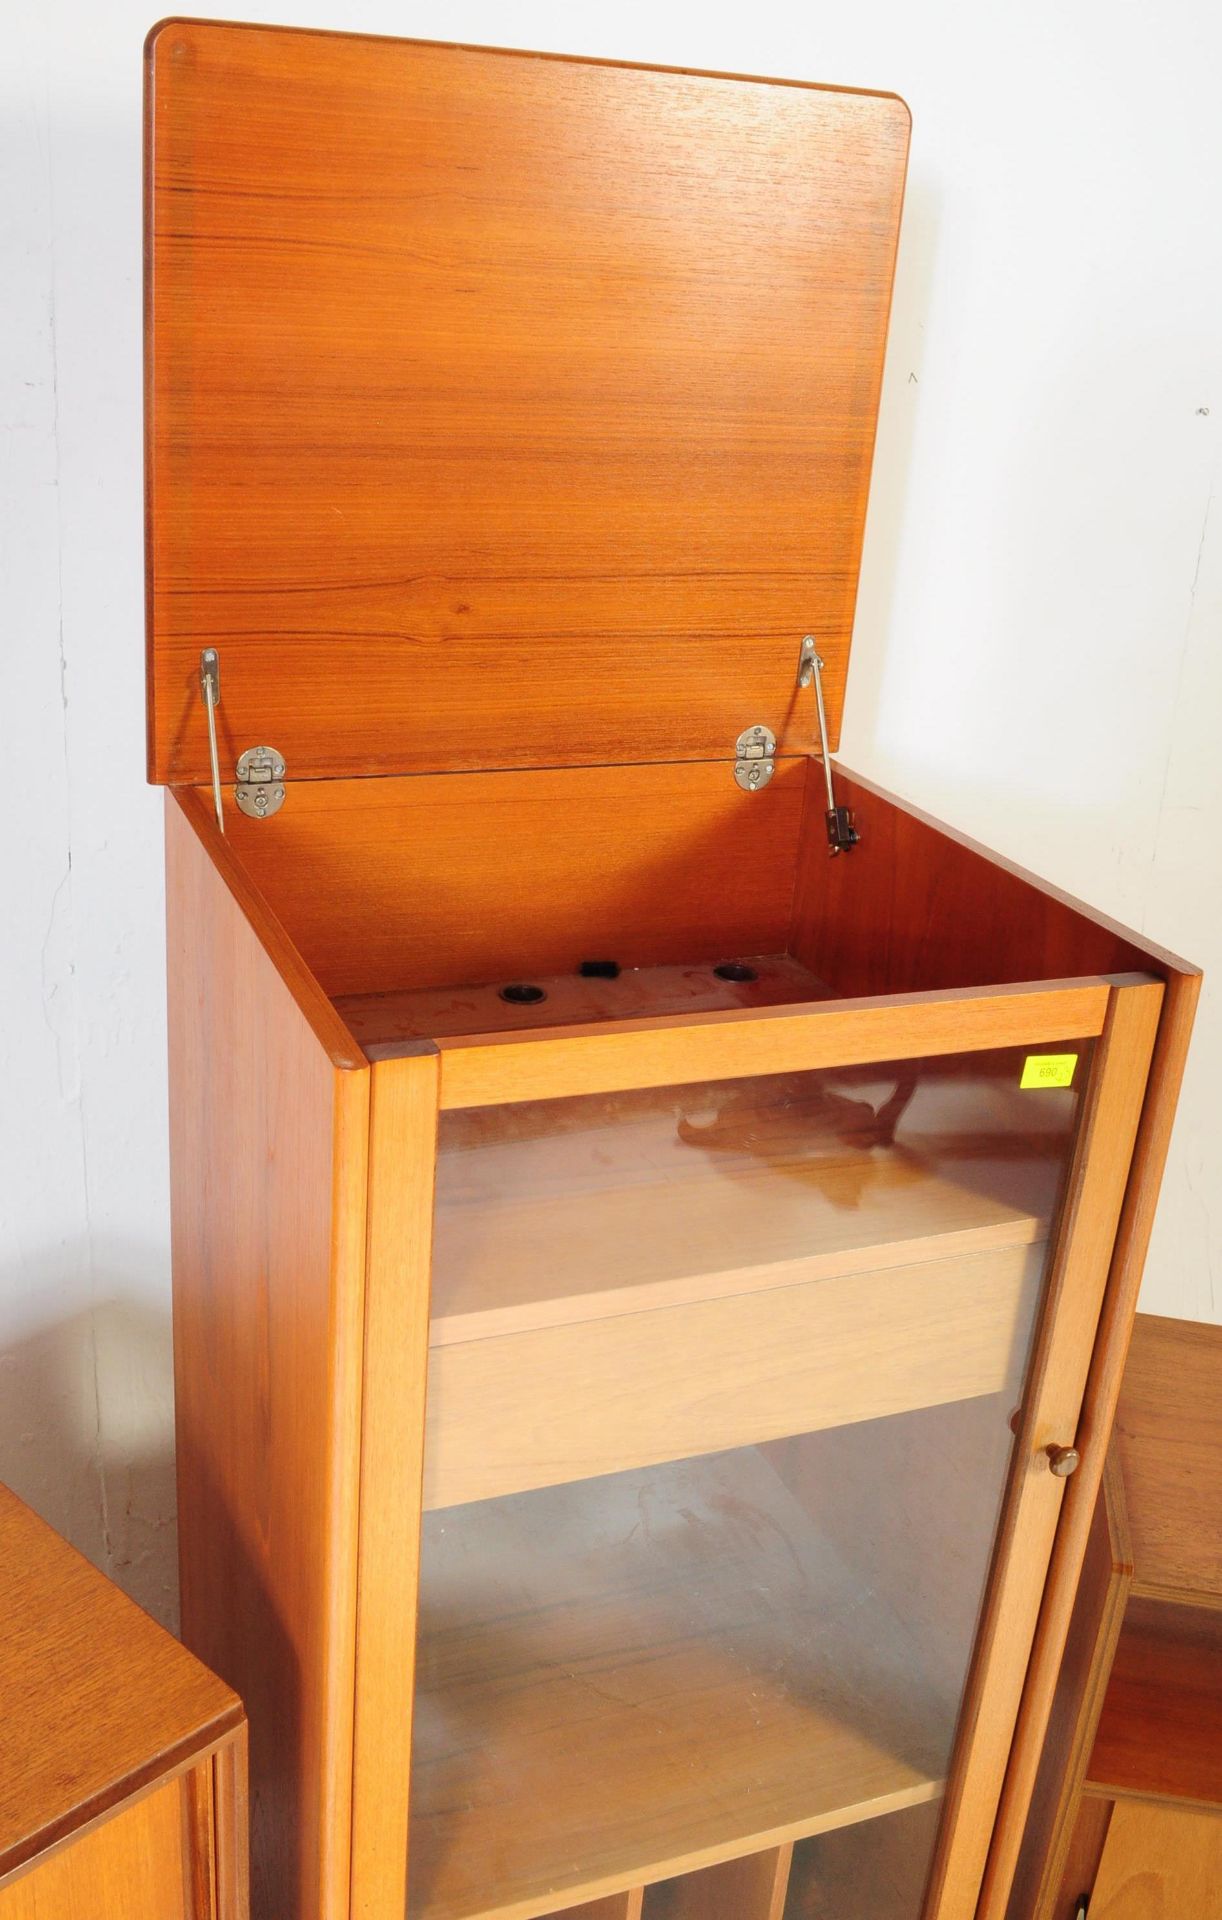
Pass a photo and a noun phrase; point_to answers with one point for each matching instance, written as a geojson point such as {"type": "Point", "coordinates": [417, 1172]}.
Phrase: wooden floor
{"type": "Point", "coordinates": [625, 1679]}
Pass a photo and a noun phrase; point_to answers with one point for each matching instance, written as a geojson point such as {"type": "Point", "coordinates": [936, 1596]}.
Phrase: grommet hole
{"type": "Point", "coordinates": [735, 970]}
{"type": "Point", "coordinates": [521, 994]}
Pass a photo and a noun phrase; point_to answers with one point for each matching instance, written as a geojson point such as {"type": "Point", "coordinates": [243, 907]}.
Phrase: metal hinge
{"type": "Point", "coordinates": [754, 762]}
{"type": "Point", "coordinates": [260, 783]}
{"type": "Point", "coordinates": [842, 835]}
{"type": "Point", "coordinates": [260, 770]}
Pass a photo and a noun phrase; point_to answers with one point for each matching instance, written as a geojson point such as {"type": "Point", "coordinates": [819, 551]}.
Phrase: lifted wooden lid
{"type": "Point", "coordinates": [503, 410]}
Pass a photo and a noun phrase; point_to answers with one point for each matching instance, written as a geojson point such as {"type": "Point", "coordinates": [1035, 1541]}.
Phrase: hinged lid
{"type": "Point", "coordinates": [504, 410]}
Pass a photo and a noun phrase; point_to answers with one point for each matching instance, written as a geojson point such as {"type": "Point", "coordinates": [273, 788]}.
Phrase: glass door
{"type": "Point", "coordinates": [724, 1381]}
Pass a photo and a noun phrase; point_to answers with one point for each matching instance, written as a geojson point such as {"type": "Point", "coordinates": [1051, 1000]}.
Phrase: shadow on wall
{"type": "Point", "coordinates": [87, 1438]}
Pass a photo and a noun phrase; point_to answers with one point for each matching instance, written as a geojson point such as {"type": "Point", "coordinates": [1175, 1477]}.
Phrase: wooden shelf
{"type": "Point", "coordinates": [538, 1224]}
{"type": "Point", "coordinates": [624, 1680]}
{"type": "Point", "coordinates": [612, 1289]}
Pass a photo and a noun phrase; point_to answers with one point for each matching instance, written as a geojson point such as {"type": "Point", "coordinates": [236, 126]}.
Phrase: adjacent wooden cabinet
{"type": "Point", "coordinates": [656, 1218]}
{"type": "Point", "coordinates": [1126, 1818]}
{"type": "Point", "coordinates": [122, 1760]}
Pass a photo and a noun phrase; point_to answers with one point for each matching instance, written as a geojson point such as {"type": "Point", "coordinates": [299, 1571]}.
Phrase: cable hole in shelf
{"type": "Point", "coordinates": [522, 994]}
{"type": "Point", "coordinates": [735, 970]}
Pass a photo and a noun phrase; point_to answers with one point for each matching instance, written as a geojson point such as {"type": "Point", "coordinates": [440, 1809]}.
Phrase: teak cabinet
{"type": "Point", "coordinates": [652, 1237]}
{"type": "Point", "coordinates": [122, 1760]}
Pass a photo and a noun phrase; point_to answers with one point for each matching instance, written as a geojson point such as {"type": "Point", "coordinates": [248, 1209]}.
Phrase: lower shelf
{"type": "Point", "coordinates": [626, 1679]}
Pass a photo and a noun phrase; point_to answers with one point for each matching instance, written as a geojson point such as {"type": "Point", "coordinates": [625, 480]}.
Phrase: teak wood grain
{"type": "Point", "coordinates": [1182, 986]}
{"type": "Point", "coordinates": [1160, 1731]}
{"type": "Point", "coordinates": [269, 1143]}
{"type": "Point", "coordinates": [920, 906]}
{"type": "Point", "coordinates": [99, 1703]}
{"type": "Point", "coordinates": [1103, 1589]}
{"type": "Point", "coordinates": [752, 1887]}
{"type": "Point", "coordinates": [617, 1906]}
{"type": "Point", "coordinates": [1152, 1752]}
{"type": "Point", "coordinates": [402, 1157]}
{"type": "Point", "coordinates": [567, 1402]}
{"type": "Point", "coordinates": [872, 1871]}
{"type": "Point", "coordinates": [614, 1219]}
{"type": "Point", "coordinates": [382, 1021]}
{"type": "Point", "coordinates": [134, 1865]}
{"type": "Point", "coordinates": [437, 881]}
{"type": "Point", "coordinates": [1159, 1864]}
{"type": "Point", "coordinates": [502, 410]}
{"type": "Point", "coordinates": [1051, 1416]}
{"type": "Point", "coordinates": [491, 1070]}
{"type": "Point", "coordinates": [1168, 1446]}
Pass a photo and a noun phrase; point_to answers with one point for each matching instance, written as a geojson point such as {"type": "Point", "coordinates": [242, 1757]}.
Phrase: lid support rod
{"type": "Point", "coordinates": [210, 688]}
{"type": "Point", "coordinates": [842, 835]}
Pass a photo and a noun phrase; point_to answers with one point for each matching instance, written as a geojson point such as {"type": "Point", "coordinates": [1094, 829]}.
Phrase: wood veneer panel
{"type": "Point", "coordinates": [1103, 1590]}
{"type": "Point", "coordinates": [551, 1213]}
{"type": "Point", "coordinates": [568, 1401]}
{"type": "Point", "coordinates": [1160, 1732]}
{"type": "Point", "coordinates": [1168, 1441]}
{"type": "Point", "coordinates": [643, 1675]}
{"type": "Point", "coordinates": [617, 1906]}
{"type": "Point", "coordinates": [382, 1021]}
{"type": "Point", "coordinates": [749, 1888]}
{"type": "Point", "coordinates": [1086, 1844]}
{"type": "Point", "coordinates": [487, 1071]}
{"type": "Point", "coordinates": [875, 1870]}
{"type": "Point", "coordinates": [269, 1147]}
{"type": "Point", "coordinates": [918, 906]}
{"type": "Point", "coordinates": [1016, 1609]}
{"type": "Point", "coordinates": [403, 1143]}
{"type": "Point", "coordinates": [134, 1865]}
{"type": "Point", "coordinates": [1159, 1863]}
{"type": "Point", "coordinates": [98, 1700]}
{"type": "Point", "coordinates": [505, 876]}
{"type": "Point", "coordinates": [503, 410]}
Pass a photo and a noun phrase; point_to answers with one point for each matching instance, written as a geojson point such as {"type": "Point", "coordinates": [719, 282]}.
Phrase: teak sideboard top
{"type": "Point", "coordinates": [556, 1027]}
{"type": "Point", "coordinates": [116, 1742]}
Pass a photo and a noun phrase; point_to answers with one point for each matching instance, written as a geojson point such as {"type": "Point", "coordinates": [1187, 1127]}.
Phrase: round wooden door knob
{"type": "Point", "coordinates": [1063, 1461]}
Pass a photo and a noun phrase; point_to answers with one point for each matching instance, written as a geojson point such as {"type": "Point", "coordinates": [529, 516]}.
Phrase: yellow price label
{"type": "Point", "coordinates": [1048, 1070]}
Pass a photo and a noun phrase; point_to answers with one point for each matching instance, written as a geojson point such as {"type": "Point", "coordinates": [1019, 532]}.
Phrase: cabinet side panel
{"type": "Point", "coordinates": [269, 1145]}
{"type": "Point", "coordinates": [134, 1866]}
{"type": "Point", "coordinates": [916, 907]}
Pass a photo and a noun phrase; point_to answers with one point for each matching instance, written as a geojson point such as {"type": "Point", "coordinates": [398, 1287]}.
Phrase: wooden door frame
{"type": "Point", "coordinates": [408, 1093]}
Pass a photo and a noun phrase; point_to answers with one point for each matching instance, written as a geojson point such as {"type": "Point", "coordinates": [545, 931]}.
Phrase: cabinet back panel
{"type": "Point", "coordinates": [444, 880]}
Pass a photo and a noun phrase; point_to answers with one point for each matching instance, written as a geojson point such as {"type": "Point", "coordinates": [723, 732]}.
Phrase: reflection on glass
{"type": "Point", "coordinates": [718, 1429]}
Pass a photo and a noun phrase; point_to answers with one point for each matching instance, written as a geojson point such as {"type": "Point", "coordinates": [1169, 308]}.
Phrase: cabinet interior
{"type": "Point", "coordinates": [694, 1585]}
{"type": "Point", "coordinates": [416, 901]}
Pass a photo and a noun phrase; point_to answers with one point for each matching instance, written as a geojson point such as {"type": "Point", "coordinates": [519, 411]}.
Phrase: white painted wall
{"type": "Point", "coordinates": [1037, 654]}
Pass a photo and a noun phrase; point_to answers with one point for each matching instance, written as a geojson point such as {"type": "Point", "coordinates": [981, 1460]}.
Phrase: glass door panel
{"type": "Point", "coordinates": [720, 1388]}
